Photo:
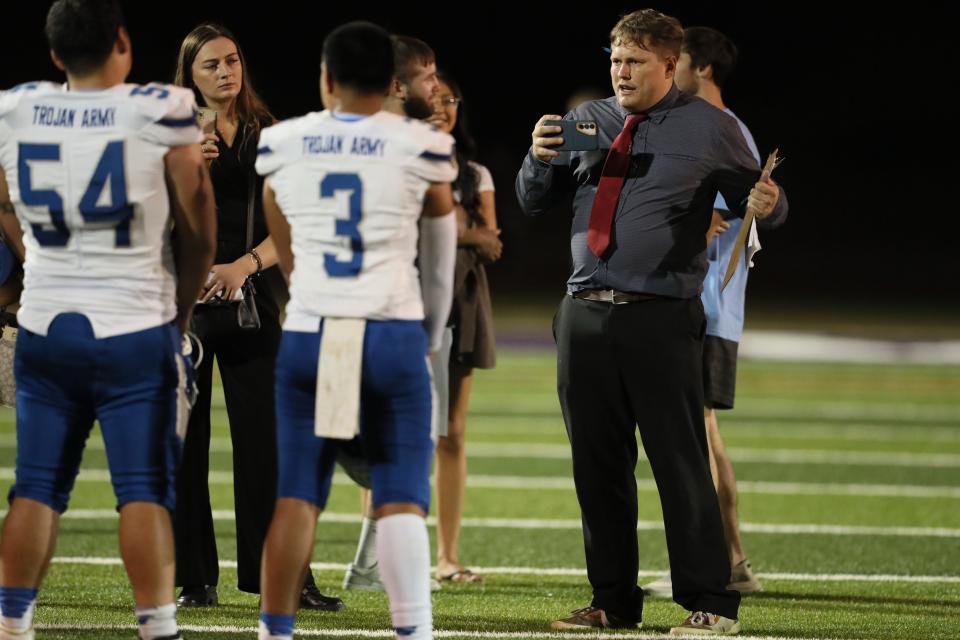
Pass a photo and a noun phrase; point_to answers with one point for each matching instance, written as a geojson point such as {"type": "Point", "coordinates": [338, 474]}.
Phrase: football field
{"type": "Point", "coordinates": [849, 482]}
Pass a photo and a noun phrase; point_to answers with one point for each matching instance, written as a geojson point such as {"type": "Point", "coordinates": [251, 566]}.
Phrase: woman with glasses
{"type": "Point", "coordinates": [471, 321]}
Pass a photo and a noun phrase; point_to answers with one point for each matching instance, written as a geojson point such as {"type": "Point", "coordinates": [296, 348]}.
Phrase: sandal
{"type": "Point", "coordinates": [461, 575]}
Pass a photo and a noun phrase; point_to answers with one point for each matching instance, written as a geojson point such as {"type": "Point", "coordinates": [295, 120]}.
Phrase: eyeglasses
{"type": "Point", "coordinates": [450, 101]}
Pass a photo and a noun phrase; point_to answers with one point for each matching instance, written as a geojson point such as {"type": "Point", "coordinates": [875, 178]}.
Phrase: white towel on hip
{"type": "Point", "coordinates": [337, 409]}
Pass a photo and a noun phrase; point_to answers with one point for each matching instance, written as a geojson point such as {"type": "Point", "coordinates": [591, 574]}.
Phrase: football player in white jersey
{"type": "Point", "coordinates": [86, 169]}
{"type": "Point", "coordinates": [345, 189]}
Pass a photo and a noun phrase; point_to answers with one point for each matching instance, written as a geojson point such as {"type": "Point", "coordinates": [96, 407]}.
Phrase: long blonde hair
{"type": "Point", "coordinates": [252, 112]}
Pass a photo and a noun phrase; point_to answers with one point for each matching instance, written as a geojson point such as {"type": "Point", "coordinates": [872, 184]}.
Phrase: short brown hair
{"type": "Point", "coordinates": [648, 28]}
{"type": "Point", "coordinates": [708, 46]}
{"type": "Point", "coordinates": [408, 51]}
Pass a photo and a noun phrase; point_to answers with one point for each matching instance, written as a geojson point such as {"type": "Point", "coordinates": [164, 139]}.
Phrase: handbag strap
{"type": "Point", "coordinates": [251, 195]}
{"type": "Point", "coordinates": [251, 201]}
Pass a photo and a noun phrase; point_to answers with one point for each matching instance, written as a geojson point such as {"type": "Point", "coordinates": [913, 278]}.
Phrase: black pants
{"type": "Point", "coordinates": [246, 361]}
{"type": "Point", "coordinates": [620, 366]}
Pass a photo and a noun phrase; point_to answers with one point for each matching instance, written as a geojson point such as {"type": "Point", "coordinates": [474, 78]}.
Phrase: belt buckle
{"type": "Point", "coordinates": [610, 296]}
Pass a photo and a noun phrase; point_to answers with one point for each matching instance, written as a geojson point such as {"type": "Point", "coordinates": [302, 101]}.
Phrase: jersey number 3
{"type": "Point", "coordinates": [348, 228]}
{"type": "Point", "coordinates": [110, 168]}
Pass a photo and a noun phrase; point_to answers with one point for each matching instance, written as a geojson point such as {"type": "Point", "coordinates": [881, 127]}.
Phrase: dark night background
{"type": "Point", "coordinates": [854, 97]}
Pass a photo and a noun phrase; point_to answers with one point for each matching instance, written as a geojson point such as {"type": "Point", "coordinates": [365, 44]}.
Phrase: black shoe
{"type": "Point", "coordinates": [311, 598]}
{"type": "Point", "coordinates": [202, 596]}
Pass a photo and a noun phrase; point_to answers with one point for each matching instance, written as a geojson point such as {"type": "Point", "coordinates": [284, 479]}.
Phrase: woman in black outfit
{"type": "Point", "coordinates": [212, 63]}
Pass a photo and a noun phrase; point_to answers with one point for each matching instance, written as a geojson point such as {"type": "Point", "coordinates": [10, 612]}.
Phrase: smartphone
{"type": "Point", "coordinates": [578, 135]}
{"type": "Point", "coordinates": [207, 119]}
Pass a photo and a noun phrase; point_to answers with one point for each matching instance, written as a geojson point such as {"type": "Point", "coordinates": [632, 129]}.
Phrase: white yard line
{"type": "Point", "coordinates": [573, 571]}
{"type": "Point", "coordinates": [895, 413]}
{"type": "Point", "coordinates": [741, 454]}
{"type": "Point", "coordinates": [574, 524]}
{"type": "Point", "coordinates": [785, 427]}
{"type": "Point", "coordinates": [529, 483]}
{"type": "Point", "coordinates": [768, 427]}
{"type": "Point", "coordinates": [744, 486]}
{"type": "Point", "coordinates": [773, 408]}
{"type": "Point", "coordinates": [389, 633]}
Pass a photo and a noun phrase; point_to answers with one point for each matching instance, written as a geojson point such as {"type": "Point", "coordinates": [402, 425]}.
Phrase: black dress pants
{"type": "Point", "coordinates": [623, 366]}
{"type": "Point", "coordinates": [246, 361]}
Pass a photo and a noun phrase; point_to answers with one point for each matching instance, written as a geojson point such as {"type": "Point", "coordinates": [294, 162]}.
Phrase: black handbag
{"type": "Point", "coordinates": [215, 317]}
{"type": "Point", "coordinates": [248, 318]}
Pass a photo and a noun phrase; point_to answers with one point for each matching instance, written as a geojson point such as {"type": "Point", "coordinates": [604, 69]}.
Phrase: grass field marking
{"type": "Point", "coordinates": [389, 633]}
{"type": "Point", "coordinates": [103, 475]}
{"type": "Point", "coordinates": [573, 571]}
{"type": "Point", "coordinates": [857, 577]}
{"type": "Point", "coordinates": [554, 451]}
{"type": "Point", "coordinates": [814, 410]}
{"type": "Point", "coordinates": [849, 432]}
{"type": "Point", "coordinates": [853, 458]}
{"type": "Point", "coordinates": [803, 432]}
{"type": "Point", "coordinates": [574, 524]}
{"type": "Point", "coordinates": [808, 410]}
{"type": "Point", "coordinates": [744, 486]}
{"type": "Point", "coordinates": [840, 489]}
{"type": "Point", "coordinates": [479, 481]}
{"type": "Point", "coordinates": [561, 451]}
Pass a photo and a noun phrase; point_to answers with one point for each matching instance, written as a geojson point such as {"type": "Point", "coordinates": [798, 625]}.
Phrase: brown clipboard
{"type": "Point", "coordinates": [748, 217]}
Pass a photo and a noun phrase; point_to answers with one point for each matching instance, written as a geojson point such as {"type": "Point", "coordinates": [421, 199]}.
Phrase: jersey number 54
{"type": "Point", "coordinates": [117, 213]}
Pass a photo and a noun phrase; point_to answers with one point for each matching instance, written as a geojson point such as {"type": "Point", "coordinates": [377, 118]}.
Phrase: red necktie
{"type": "Point", "coordinates": [611, 182]}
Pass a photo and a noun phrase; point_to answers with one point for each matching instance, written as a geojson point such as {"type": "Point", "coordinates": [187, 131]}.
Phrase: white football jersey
{"type": "Point", "coordinates": [352, 189]}
{"type": "Point", "coordinates": [86, 175]}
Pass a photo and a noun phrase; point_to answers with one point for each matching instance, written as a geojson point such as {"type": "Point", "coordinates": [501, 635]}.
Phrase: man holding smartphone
{"type": "Point", "coordinates": [630, 329]}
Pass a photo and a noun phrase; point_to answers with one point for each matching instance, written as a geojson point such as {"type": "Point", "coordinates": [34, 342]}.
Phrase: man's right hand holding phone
{"type": "Point", "coordinates": [545, 137]}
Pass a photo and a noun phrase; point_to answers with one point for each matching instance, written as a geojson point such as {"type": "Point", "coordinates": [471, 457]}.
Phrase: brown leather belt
{"type": "Point", "coordinates": [612, 296]}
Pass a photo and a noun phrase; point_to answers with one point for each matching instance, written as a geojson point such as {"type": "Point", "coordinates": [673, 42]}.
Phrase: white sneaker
{"type": "Point", "coordinates": [661, 588]}
{"type": "Point", "coordinates": [362, 578]}
{"type": "Point", "coordinates": [368, 579]}
{"type": "Point", "coordinates": [743, 580]}
{"type": "Point", "coordinates": [706, 624]}
{"type": "Point", "coordinates": [9, 634]}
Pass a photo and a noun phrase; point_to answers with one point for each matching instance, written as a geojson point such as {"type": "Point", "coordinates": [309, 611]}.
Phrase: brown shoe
{"type": "Point", "coordinates": [592, 618]}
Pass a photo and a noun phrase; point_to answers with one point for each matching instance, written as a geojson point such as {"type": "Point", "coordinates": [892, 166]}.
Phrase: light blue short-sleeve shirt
{"type": "Point", "coordinates": [724, 311]}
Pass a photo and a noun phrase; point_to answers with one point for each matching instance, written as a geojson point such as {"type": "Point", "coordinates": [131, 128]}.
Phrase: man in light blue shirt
{"type": "Point", "coordinates": [707, 58]}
